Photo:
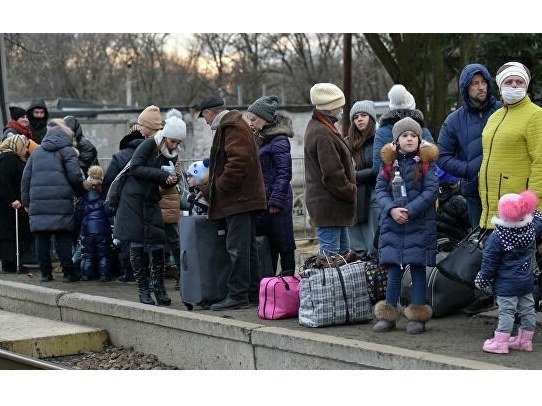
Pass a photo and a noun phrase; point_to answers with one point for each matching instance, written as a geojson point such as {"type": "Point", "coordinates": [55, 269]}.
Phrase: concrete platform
{"type": "Point", "coordinates": [44, 338]}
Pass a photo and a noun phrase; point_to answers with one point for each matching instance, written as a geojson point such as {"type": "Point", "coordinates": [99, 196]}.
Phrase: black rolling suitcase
{"type": "Point", "coordinates": [205, 263]}
{"type": "Point", "coordinates": [264, 257]}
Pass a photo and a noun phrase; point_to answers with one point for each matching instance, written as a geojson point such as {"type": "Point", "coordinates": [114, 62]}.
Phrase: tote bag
{"type": "Point", "coordinates": [113, 194]}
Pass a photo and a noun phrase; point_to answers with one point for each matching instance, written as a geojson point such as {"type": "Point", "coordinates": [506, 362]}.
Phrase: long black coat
{"type": "Point", "coordinates": [11, 170]}
{"type": "Point", "coordinates": [139, 217]}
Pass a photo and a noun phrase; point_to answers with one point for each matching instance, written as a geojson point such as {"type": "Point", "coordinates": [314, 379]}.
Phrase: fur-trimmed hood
{"type": "Point", "coordinates": [428, 152]}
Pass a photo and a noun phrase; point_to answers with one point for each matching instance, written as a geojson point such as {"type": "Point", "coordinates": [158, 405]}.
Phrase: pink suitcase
{"type": "Point", "coordinates": [279, 297]}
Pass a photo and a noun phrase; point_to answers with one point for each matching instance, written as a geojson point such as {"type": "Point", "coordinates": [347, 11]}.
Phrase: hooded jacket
{"type": "Point", "coordinates": [38, 125]}
{"type": "Point", "coordinates": [460, 137]}
{"type": "Point", "coordinates": [88, 154]}
{"type": "Point", "coordinates": [52, 178]}
{"type": "Point", "coordinates": [416, 241]}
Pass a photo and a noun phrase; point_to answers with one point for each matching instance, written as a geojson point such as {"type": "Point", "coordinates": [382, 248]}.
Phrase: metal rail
{"type": "Point", "coordinates": [13, 361]}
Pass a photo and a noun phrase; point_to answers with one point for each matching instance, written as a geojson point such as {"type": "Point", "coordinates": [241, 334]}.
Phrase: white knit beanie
{"type": "Point", "coordinates": [175, 128]}
{"type": "Point", "coordinates": [400, 98]}
{"type": "Point", "coordinates": [327, 96]}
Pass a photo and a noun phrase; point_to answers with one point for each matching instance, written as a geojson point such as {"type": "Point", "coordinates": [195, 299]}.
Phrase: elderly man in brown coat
{"type": "Point", "coordinates": [236, 194]}
{"type": "Point", "coordinates": [330, 193]}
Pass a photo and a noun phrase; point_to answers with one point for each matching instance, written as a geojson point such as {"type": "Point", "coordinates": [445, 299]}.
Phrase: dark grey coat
{"type": "Point", "coordinates": [52, 177]}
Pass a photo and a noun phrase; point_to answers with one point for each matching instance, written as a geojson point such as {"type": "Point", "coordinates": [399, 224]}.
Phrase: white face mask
{"type": "Point", "coordinates": [339, 115]}
{"type": "Point", "coordinates": [512, 95]}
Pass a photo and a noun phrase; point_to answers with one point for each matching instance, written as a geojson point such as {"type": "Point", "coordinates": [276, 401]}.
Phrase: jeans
{"type": "Point", "coordinates": [333, 240]}
{"type": "Point", "coordinates": [474, 207]}
{"type": "Point", "coordinates": [63, 245]}
{"type": "Point", "coordinates": [243, 280]}
{"type": "Point", "coordinates": [419, 284]}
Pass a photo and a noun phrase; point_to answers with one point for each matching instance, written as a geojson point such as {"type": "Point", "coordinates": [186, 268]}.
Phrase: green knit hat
{"type": "Point", "coordinates": [265, 107]}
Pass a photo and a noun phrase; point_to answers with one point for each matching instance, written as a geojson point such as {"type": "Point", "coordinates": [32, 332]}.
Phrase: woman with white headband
{"type": "Point", "coordinates": [511, 143]}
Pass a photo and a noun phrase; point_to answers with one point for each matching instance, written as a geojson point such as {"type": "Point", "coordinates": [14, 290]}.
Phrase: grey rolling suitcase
{"type": "Point", "coordinates": [205, 263]}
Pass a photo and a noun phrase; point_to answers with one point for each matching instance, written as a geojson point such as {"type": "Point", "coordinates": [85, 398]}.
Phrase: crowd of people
{"type": "Point", "coordinates": [487, 157]}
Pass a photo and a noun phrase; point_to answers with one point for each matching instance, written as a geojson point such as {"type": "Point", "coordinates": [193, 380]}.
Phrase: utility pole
{"type": "Point", "coordinates": [3, 82]}
{"type": "Point", "coordinates": [347, 81]}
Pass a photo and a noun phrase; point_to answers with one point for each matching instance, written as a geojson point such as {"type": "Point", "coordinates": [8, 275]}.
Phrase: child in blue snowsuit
{"type": "Point", "coordinates": [92, 215]}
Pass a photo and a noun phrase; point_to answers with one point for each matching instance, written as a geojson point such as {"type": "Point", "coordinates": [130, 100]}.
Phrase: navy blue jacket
{"type": "Point", "coordinates": [460, 137]}
{"type": "Point", "coordinates": [92, 213]}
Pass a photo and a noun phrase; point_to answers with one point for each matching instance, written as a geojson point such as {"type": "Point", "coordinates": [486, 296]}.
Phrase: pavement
{"type": "Point", "coordinates": [458, 336]}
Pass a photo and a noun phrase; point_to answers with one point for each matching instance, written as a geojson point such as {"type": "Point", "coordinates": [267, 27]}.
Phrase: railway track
{"type": "Point", "coordinates": [13, 361]}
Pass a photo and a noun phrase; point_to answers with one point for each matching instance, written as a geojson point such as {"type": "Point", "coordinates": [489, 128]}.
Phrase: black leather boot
{"type": "Point", "coordinates": [141, 275]}
{"type": "Point", "coordinates": [157, 278]}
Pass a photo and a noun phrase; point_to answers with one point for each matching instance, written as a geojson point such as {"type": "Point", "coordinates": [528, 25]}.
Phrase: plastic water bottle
{"type": "Point", "coordinates": [399, 190]}
{"type": "Point", "coordinates": [169, 168]}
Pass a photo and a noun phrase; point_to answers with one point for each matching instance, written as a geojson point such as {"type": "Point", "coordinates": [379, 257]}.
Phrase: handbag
{"type": "Point", "coordinates": [334, 295]}
{"type": "Point", "coordinates": [279, 297]}
{"type": "Point", "coordinates": [377, 279]}
{"type": "Point", "coordinates": [113, 194]}
{"type": "Point", "coordinates": [464, 261]}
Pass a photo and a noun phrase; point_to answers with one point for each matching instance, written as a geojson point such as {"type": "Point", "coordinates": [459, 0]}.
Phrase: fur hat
{"type": "Point", "coordinates": [363, 106]}
{"type": "Point", "coordinates": [326, 96]}
{"type": "Point", "coordinates": [517, 209]}
{"type": "Point", "coordinates": [265, 107]}
{"type": "Point", "coordinates": [175, 128]}
{"type": "Point", "coordinates": [150, 117]}
{"type": "Point", "coordinates": [513, 69]}
{"type": "Point", "coordinates": [95, 178]}
{"type": "Point", "coordinates": [16, 112]}
{"type": "Point", "coordinates": [400, 98]}
{"type": "Point", "coordinates": [198, 168]}
{"type": "Point", "coordinates": [406, 124]}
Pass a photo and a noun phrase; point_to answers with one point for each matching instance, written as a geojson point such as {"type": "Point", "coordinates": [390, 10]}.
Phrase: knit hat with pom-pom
{"type": "Point", "coordinates": [400, 98]}
{"type": "Point", "coordinates": [95, 178]}
{"type": "Point", "coordinates": [517, 209]}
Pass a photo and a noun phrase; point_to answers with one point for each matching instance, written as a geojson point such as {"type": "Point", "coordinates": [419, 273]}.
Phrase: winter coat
{"type": "Point", "coordinates": [139, 218]}
{"type": "Point", "coordinates": [512, 159]}
{"type": "Point", "coordinates": [365, 177]}
{"type": "Point", "coordinates": [416, 241]}
{"type": "Point", "coordinates": [452, 214]}
{"type": "Point", "coordinates": [52, 178]}
{"type": "Point", "coordinates": [508, 258]}
{"type": "Point", "coordinates": [170, 203]}
{"type": "Point", "coordinates": [127, 147]}
{"type": "Point", "coordinates": [276, 162]}
{"type": "Point", "coordinates": [235, 174]}
{"type": "Point", "coordinates": [92, 213]}
{"type": "Point", "coordinates": [14, 127]}
{"type": "Point", "coordinates": [460, 137]}
{"type": "Point", "coordinates": [11, 171]}
{"type": "Point", "coordinates": [384, 135]}
{"type": "Point", "coordinates": [330, 192]}
{"type": "Point", "coordinates": [38, 126]}
{"type": "Point", "coordinates": [88, 154]}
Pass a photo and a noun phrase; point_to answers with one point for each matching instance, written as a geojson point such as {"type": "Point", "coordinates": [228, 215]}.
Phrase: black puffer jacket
{"type": "Point", "coordinates": [452, 215]}
{"type": "Point", "coordinates": [88, 155]}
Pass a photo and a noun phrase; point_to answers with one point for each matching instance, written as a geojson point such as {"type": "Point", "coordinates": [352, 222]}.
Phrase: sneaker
{"type": "Point", "coordinates": [483, 304]}
{"type": "Point", "coordinates": [127, 278]}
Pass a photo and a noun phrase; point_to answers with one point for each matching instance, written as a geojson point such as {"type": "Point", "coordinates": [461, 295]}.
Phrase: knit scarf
{"type": "Point", "coordinates": [327, 122]}
{"type": "Point", "coordinates": [21, 129]}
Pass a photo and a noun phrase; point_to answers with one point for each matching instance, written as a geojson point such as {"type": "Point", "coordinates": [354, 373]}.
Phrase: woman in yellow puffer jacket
{"type": "Point", "coordinates": [511, 143]}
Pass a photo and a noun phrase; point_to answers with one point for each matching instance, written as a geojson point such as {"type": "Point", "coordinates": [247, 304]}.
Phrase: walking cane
{"type": "Point", "coordinates": [17, 240]}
